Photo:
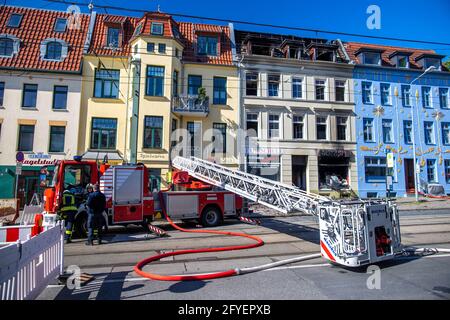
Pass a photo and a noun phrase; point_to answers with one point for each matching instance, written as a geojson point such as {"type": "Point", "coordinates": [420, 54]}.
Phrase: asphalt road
{"type": "Point", "coordinates": [285, 237]}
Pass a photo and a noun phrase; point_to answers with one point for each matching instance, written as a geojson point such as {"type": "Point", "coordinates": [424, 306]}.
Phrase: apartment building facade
{"type": "Point", "coordinates": [398, 106]}
{"type": "Point", "coordinates": [155, 88]}
{"type": "Point", "coordinates": [297, 98]}
{"type": "Point", "coordinates": [40, 91]}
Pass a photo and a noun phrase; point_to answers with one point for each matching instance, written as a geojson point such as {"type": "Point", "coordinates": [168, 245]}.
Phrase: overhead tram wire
{"type": "Point", "coordinates": [117, 8]}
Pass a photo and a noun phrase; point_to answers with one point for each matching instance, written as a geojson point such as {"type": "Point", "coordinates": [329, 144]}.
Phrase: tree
{"type": "Point", "coordinates": [447, 64]}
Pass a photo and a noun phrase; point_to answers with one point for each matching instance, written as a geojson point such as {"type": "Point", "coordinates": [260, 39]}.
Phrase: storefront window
{"type": "Point", "coordinates": [333, 169]}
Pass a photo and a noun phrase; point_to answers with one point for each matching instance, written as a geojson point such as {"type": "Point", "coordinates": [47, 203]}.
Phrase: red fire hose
{"type": "Point", "coordinates": [205, 276]}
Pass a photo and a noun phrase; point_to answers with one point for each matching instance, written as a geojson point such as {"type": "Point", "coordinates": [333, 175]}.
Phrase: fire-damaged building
{"type": "Point", "coordinates": [298, 107]}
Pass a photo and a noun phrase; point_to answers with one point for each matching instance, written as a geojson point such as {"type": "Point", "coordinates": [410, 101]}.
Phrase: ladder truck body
{"type": "Point", "coordinates": [352, 233]}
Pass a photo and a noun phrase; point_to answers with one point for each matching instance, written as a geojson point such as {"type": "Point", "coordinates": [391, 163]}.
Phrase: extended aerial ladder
{"type": "Point", "coordinates": [352, 233]}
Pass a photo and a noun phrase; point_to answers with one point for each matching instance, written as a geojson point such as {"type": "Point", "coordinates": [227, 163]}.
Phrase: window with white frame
{"type": "Point", "coordinates": [407, 131]}
{"type": "Point", "coordinates": [252, 124]}
{"type": "Point", "coordinates": [431, 170]}
{"type": "Point", "coordinates": [443, 98]}
{"type": "Point", "coordinates": [274, 126]}
{"type": "Point", "coordinates": [320, 85]}
{"type": "Point", "coordinates": [388, 136]}
{"type": "Point", "coordinates": [447, 170]}
{"type": "Point", "coordinates": [298, 126]}
{"type": "Point", "coordinates": [385, 89]}
{"type": "Point", "coordinates": [157, 28]}
{"type": "Point", "coordinates": [274, 85]}
{"type": "Point", "coordinates": [321, 127]}
{"type": "Point", "coordinates": [406, 95]}
{"type": "Point", "coordinates": [375, 169]}
{"type": "Point", "coordinates": [251, 84]}
{"type": "Point", "coordinates": [341, 126]}
{"type": "Point", "coordinates": [402, 62]}
{"type": "Point", "coordinates": [9, 45]}
{"type": "Point", "coordinates": [112, 37]}
{"type": "Point", "coordinates": [429, 132]}
{"type": "Point", "coordinates": [446, 133]}
{"type": "Point", "coordinates": [340, 90]}
{"type": "Point", "coordinates": [54, 49]}
{"type": "Point", "coordinates": [368, 130]}
{"type": "Point", "coordinates": [372, 58]}
{"type": "Point", "coordinates": [297, 88]}
{"type": "Point", "coordinates": [426, 97]}
{"type": "Point", "coordinates": [367, 92]}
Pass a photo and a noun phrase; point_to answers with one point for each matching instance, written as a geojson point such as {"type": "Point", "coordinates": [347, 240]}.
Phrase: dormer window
{"type": "Point", "coordinates": [400, 59]}
{"type": "Point", "coordinates": [60, 25]}
{"type": "Point", "coordinates": [432, 62]}
{"type": "Point", "coordinates": [9, 46]}
{"type": "Point", "coordinates": [14, 20]}
{"type": "Point", "coordinates": [402, 62]}
{"type": "Point", "coordinates": [207, 45]}
{"type": "Point", "coordinates": [112, 39]}
{"type": "Point", "coordinates": [373, 58]}
{"type": "Point", "coordinates": [427, 60]}
{"type": "Point", "coordinates": [157, 29]}
{"type": "Point", "coordinates": [54, 50]}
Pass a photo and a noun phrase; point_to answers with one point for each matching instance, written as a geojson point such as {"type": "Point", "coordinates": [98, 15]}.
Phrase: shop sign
{"type": "Point", "coordinates": [40, 159]}
{"type": "Point", "coordinates": [390, 160]}
{"type": "Point", "coordinates": [334, 153]}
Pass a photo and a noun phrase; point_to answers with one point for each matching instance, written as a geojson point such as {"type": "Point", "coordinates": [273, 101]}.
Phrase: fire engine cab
{"type": "Point", "coordinates": [130, 200]}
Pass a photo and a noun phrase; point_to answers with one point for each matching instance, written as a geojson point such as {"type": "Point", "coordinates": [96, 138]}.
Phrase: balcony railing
{"type": "Point", "coordinates": [191, 106]}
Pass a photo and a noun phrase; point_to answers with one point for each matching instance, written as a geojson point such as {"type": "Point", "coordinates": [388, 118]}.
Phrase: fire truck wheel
{"type": "Point", "coordinates": [81, 225]}
{"type": "Point", "coordinates": [211, 217]}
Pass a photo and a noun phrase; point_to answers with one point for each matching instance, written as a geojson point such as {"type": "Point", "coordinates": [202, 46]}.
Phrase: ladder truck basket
{"type": "Point", "coordinates": [28, 266]}
{"type": "Point", "coordinates": [352, 233]}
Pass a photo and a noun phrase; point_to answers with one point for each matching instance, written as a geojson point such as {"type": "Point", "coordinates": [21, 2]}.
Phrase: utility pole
{"type": "Point", "coordinates": [136, 89]}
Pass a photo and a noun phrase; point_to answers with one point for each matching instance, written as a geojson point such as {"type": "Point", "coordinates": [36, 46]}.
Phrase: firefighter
{"type": "Point", "coordinates": [68, 213]}
{"type": "Point", "coordinates": [96, 204]}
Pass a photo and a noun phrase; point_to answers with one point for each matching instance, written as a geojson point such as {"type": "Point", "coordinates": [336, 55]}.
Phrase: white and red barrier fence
{"type": "Point", "coordinates": [27, 267]}
{"type": "Point", "coordinates": [15, 233]}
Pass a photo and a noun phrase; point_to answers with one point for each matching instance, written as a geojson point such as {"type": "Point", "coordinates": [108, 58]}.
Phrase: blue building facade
{"type": "Point", "coordinates": [397, 107]}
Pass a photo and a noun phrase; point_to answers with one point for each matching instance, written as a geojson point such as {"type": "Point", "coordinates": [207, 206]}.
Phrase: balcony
{"type": "Point", "coordinates": [191, 106]}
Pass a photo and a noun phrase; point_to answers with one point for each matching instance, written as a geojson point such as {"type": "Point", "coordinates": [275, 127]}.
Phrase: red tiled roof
{"type": "Point", "coordinates": [158, 17]}
{"type": "Point", "coordinates": [98, 42]}
{"type": "Point", "coordinates": [353, 47]}
{"type": "Point", "coordinates": [190, 31]}
{"type": "Point", "coordinates": [36, 26]}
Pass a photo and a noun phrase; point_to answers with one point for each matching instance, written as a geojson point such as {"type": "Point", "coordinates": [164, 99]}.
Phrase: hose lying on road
{"type": "Point", "coordinates": [417, 251]}
{"type": "Point", "coordinates": [206, 276]}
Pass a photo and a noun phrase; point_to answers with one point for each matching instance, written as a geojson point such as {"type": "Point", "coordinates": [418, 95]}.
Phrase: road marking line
{"type": "Point", "coordinates": [300, 267]}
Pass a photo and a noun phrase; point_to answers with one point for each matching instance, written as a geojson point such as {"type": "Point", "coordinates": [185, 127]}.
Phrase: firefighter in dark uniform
{"type": "Point", "coordinates": [96, 204]}
{"type": "Point", "coordinates": [68, 213]}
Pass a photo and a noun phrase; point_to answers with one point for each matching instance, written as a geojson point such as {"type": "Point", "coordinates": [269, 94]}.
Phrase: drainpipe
{"type": "Point", "coordinates": [136, 87]}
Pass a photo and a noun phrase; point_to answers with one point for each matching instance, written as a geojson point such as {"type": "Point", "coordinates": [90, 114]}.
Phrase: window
{"type": "Point", "coordinates": [26, 137]}
{"type": "Point", "coordinates": [150, 47]}
{"type": "Point", "coordinates": [57, 137]}
{"type": "Point", "coordinates": [29, 95]}
{"type": "Point", "coordinates": [207, 45]}
{"type": "Point", "coordinates": [106, 83]}
{"type": "Point", "coordinates": [112, 39]}
{"type": "Point", "coordinates": [162, 48]}
{"type": "Point", "coordinates": [154, 180]}
{"type": "Point", "coordinates": [60, 97]}
{"type": "Point", "coordinates": [194, 84]}
{"type": "Point", "coordinates": [155, 81]}
{"type": "Point", "coordinates": [341, 123]}
{"type": "Point", "coordinates": [447, 170]}
{"type": "Point", "coordinates": [428, 62]}
{"type": "Point", "coordinates": [320, 89]}
{"type": "Point", "coordinates": [177, 53]}
{"type": "Point", "coordinates": [274, 126]}
{"type": "Point", "coordinates": [297, 88]}
{"type": "Point", "coordinates": [103, 133]}
{"type": "Point", "coordinates": [54, 51]}
{"type": "Point", "coordinates": [429, 132]}
{"type": "Point", "coordinates": [385, 89]}
{"type": "Point", "coordinates": [157, 29]}
{"type": "Point", "coordinates": [195, 131]}
{"type": "Point", "coordinates": [407, 131]}
{"type": "Point", "coordinates": [375, 169]}
{"type": "Point", "coordinates": [60, 25]}
{"type": "Point", "coordinates": [367, 92]}
{"type": "Point", "coordinates": [340, 90]}
{"type": "Point", "coordinates": [153, 130]}
{"type": "Point", "coordinates": [368, 130]}
{"type": "Point", "coordinates": [406, 95]}
{"type": "Point", "coordinates": [14, 20]}
{"type": "Point", "coordinates": [220, 144]}
{"type": "Point", "coordinates": [426, 97]}
{"type": "Point", "coordinates": [321, 127]}
{"type": "Point", "coordinates": [373, 58]}
{"type": "Point", "coordinates": [251, 84]}
{"type": "Point", "coordinates": [298, 122]}
{"type": "Point", "coordinates": [175, 83]}
{"type": "Point", "coordinates": [252, 124]}
{"type": "Point", "coordinates": [402, 62]}
{"type": "Point", "coordinates": [446, 133]}
{"type": "Point", "coordinates": [2, 93]}
{"type": "Point", "coordinates": [443, 97]}
{"type": "Point", "coordinates": [6, 47]}
{"type": "Point", "coordinates": [431, 170]}
{"type": "Point", "coordinates": [388, 137]}
{"type": "Point", "coordinates": [220, 91]}
{"type": "Point", "coordinates": [274, 85]}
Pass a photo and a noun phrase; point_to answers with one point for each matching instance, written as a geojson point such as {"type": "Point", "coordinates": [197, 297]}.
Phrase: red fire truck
{"type": "Point", "coordinates": [130, 200]}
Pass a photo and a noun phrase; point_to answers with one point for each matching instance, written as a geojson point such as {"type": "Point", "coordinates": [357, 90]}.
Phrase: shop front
{"type": "Point", "coordinates": [264, 162]}
{"type": "Point", "coordinates": [334, 169]}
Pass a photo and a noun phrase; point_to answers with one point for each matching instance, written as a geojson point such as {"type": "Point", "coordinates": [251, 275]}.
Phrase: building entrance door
{"type": "Point", "coordinates": [409, 176]}
{"type": "Point", "coordinates": [299, 171]}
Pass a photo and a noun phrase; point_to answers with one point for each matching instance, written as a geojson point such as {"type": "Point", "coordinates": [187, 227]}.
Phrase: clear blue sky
{"type": "Point", "coordinates": [414, 19]}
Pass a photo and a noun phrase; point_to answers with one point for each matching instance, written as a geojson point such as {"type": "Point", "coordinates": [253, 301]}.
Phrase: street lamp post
{"type": "Point", "coordinates": [416, 168]}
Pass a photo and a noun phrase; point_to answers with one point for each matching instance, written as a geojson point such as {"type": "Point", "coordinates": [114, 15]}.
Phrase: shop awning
{"type": "Point", "coordinates": [100, 155]}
